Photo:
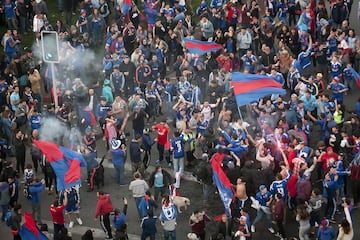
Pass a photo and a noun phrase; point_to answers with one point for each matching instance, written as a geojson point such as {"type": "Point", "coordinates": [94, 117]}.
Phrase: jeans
{"type": "Point", "coordinates": [36, 212]}
{"type": "Point", "coordinates": [259, 216]}
{"type": "Point", "coordinates": [179, 165]}
{"type": "Point", "coordinates": [161, 148]}
{"type": "Point", "coordinates": [120, 175]}
{"type": "Point", "coordinates": [206, 192]}
{"type": "Point", "coordinates": [157, 191]}
{"type": "Point", "coordinates": [170, 235]}
{"type": "Point", "coordinates": [137, 203]}
{"type": "Point", "coordinates": [4, 209]}
{"type": "Point", "coordinates": [60, 5]}
{"type": "Point", "coordinates": [24, 24]}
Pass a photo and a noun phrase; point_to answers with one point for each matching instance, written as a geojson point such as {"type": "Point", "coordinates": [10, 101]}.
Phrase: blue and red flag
{"type": "Point", "coordinates": [65, 162]}
{"type": "Point", "coordinates": [251, 87]}
{"type": "Point", "coordinates": [29, 230]}
{"type": "Point", "coordinates": [201, 47]}
{"type": "Point", "coordinates": [224, 186]}
{"type": "Point", "coordinates": [126, 7]}
{"type": "Point", "coordinates": [356, 76]}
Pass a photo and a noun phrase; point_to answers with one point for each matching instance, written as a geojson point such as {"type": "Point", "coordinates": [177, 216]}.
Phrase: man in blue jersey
{"type": "Point", "coordinates": [264, 199]}
{"type": "Point", "coordinates": [279, 185]}
{"type": "Point", "coordinates": [338, 89]}
{"type": "Point", "coordinates": [177, 147]}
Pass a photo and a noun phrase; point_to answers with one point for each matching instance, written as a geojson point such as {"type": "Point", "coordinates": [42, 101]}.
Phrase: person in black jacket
{"type": "Point", "coordinates": [161, 180]}
{"type": "Point", "coordinates": [148, 225]}
{"type": "Point", "coordinates": [146, 145]}
{"type": "Point", "coordinates": [20, 149]}
{"type": "Point", "coordinates": [16, 221]}
{"type": "Point", "coordinates": [205, 175]}
{"type": "Point", "coordinates": [225, 227]}
{"type": "Point", "coordinates": [135, 155]}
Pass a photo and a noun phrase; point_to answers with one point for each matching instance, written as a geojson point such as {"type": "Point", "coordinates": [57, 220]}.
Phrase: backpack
{"type": "Point", "coordinates": [8, 218]}
{"type": "Point", "coordinates": [27, 193]}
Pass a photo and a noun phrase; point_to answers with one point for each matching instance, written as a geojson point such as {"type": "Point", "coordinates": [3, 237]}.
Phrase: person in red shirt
{"type": "Point", "coordinates": [327, 158]}
{"type": "Point", "coordinates": [103, 209]}
{"type": "Point", "coordinates": [162, 130]}
{"type": "Point", "coordinates": [57, 213]}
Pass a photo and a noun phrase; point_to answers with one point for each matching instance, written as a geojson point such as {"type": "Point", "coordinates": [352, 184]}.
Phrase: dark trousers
{"type": "Point", "coordinates": [146, 236]}
{"type": "Point", "coordinates": [20, 163]}
{"type": "Point", "coordinates": [355, 191]}
{"type": "Point", "coordinates": [281, 228]}
{"type": "Point", "coordinates": [57, 228]}
{"type": "Point", "coordinates": [105, 224]}
{"type": "Point", "coordinates": [201, 236]}
{"type": "Point", "coordinates": [161, 149]}
{"type": "Point", "coordinates": [35, 161]}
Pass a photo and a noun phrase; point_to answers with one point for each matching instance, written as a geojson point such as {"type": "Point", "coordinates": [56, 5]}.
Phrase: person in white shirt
{"type": "Point", "coordinates": [38, 22]}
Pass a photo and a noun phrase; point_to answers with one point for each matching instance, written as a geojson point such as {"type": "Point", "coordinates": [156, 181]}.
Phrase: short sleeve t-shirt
{"type": "Point", "coordinates": [159, 179]}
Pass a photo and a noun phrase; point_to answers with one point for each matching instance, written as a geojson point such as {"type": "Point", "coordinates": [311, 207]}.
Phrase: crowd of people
{"type": "Point", "coordinates": [305, 144]}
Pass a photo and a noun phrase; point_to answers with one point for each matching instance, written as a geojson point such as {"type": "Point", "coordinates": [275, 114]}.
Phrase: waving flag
{"type": "Point", "coordinates": [356, 76]}
{"type": "Point", "coordinates": [252, 87]}
{"type": "Point", "coordinates": [65, 162]}
{"type": "Point", "coordinates": [126, 7]}
{"type": "Point", "coordinates": [29, 230]}
{"type": "Point", "coordinates": [201, 47]}
{"type": "Point", "coordinates": [222, 182]}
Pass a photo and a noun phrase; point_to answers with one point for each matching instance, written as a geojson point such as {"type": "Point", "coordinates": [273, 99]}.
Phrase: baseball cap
{"type": "Point", "coordinates": [262, 187]}
{"type": "Point", "coordinates": [319, 75]}
{"type": "Point", "coordinates": [294, 95]}
{"type": "Point", "coordinates": [82, 11]}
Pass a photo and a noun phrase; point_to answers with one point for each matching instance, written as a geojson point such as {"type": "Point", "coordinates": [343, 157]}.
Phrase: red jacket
{"type": "Point", "coordinates": [104, 205]}
{"type": "Point", "coordinates": [57, 214]}
{"type": "Point", "coordinates": [291, 186]}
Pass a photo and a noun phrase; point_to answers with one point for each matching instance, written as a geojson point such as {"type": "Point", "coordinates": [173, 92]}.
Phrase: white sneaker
{"type": "Point", "coordinates": [79, 221]}
{"type": "Point", "coordinates": [271, 230]}
{"type": "Point", "coordinates": [316, 224]}
{"type": "Point", "coordinates": [252, 228]}
{"type": "Point", "coordinates": [71, 224]}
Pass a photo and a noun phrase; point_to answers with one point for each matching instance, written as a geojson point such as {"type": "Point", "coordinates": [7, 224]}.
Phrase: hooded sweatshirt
{"type": "Point", "coordinates": [104, 205]}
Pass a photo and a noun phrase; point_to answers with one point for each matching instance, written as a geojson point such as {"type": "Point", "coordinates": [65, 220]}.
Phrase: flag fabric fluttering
{"type": "Point", "coordinates": [356, 76]}
{"type": "Point", "coordinates": [126, 7]}
{"type": "Point", "coordinates": [251, 87]}
{"type": "Point", "coordinates": [223, 184]}
{"type": "Point", "coordinates": [29, 230]}
{"type": "Point", "coordinates": [65, 162]}
{"type": "Point", "coordinates": [201, 47]}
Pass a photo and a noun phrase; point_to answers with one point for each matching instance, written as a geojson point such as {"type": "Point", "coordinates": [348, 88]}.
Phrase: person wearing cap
{"type": "Point", "coordinates": [320, 83]}
{"type": "Point", "coordinates": [118, 156]}
{"type": "Point", "coordinates": [82, 22]}
{"type": "Point", "coordinates": [264, 198]}
{"type": "Point", "coordinates": [327, 158]}
{"type": "Point", "coordinates": [338, 89]}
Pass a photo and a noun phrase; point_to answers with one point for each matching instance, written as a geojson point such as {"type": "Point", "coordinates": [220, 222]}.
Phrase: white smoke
{"type": "Point", "coordinates": [52, 130]}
